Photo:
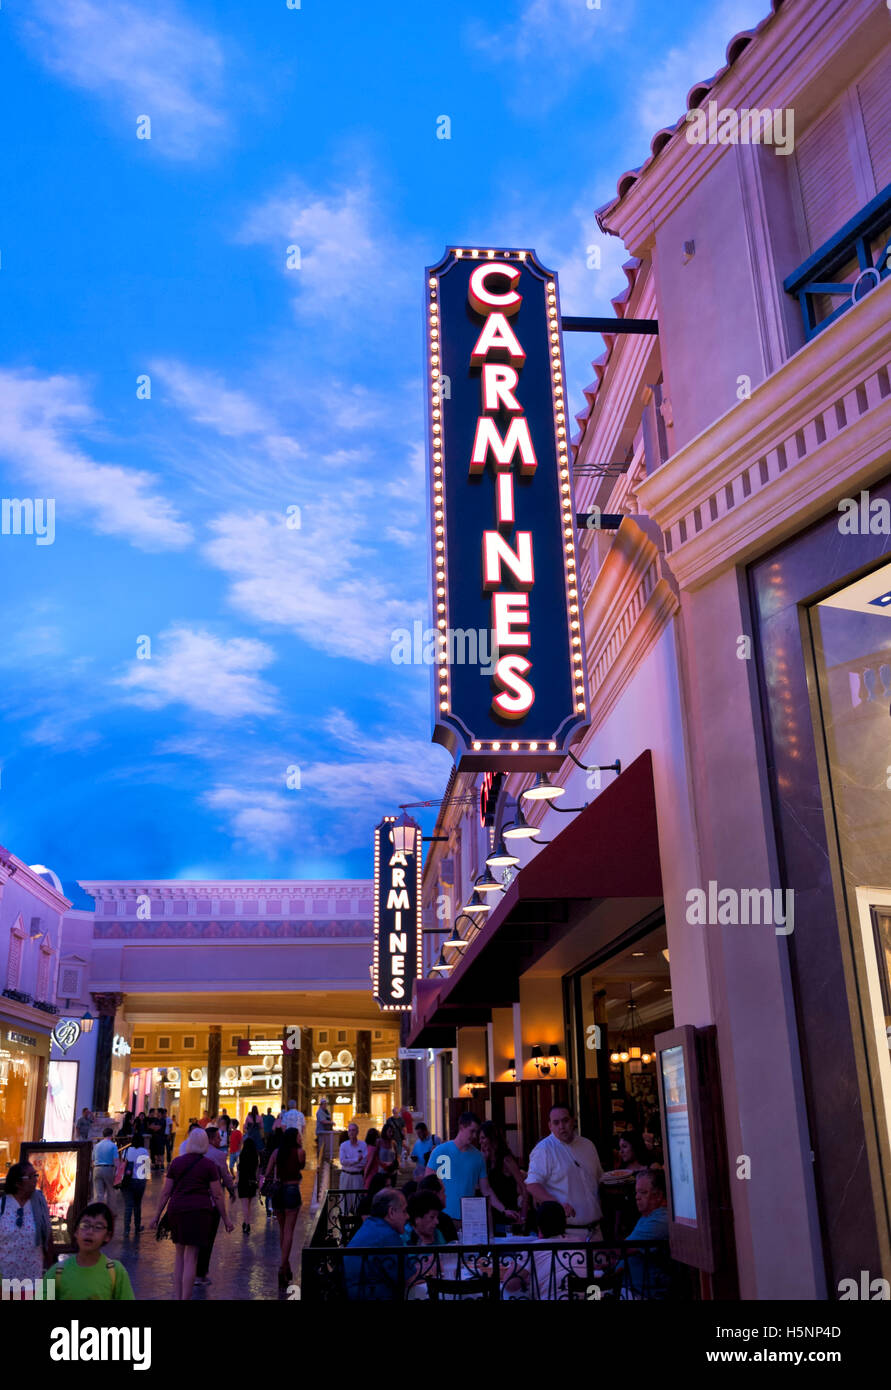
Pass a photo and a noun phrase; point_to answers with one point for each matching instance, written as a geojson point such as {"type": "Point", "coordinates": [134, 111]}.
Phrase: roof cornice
{"type": "Point", "coordinates": [772, 71]}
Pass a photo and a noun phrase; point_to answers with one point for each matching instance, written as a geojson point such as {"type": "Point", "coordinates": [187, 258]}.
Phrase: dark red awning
{"type": "Point", "coordinates": [609, 850]}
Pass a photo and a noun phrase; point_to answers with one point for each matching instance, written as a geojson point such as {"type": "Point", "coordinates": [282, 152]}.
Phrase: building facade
{"type": "Point", "coordinates": [733, 880]}
{"type": "Point", "coordinates": [213, 995]}
{"type": "Point", "coordinates": [31, 912]}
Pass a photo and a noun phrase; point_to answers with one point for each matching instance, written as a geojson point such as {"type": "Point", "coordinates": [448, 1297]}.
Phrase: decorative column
{"type": "Point", "coordinates": [290, 1070]}
{"type": "Point", "coordinates": [106, 1006]}
{"type": "Point", "coordinates": [304, 1073]}
{"type": "Point", "coordinates": [214, 1049]}
{"type": "Point", "coordinates": [363, 1071]}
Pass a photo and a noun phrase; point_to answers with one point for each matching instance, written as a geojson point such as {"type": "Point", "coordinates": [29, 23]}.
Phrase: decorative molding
{"type": "Point", "coordinates": [235, 891]}
{"type": "Point", "coordinates": [33, 884]}
{"type": "Point", "coordinates": [631, 603]}
{"type": "Point", "coordinates": [191, 930]}
{"type": "Point", "coordinates": [816, 430]}
{"type": "Point", "coordinates": [25, 1013]}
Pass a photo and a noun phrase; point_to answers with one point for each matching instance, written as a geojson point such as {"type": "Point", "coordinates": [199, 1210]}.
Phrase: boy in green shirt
{"type": "Point", "coordinates": [90, 1275]}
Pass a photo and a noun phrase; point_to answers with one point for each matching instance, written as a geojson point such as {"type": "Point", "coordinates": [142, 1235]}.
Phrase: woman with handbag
{"type": "Point", "coordinates": [191, 1191]}
{"type": "Point", "coordinates": [287, 1163]}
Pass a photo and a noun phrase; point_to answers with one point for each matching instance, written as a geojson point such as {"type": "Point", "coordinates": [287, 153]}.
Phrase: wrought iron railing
{"type": "Point", "coordinates": [865, 240]}
{"type": "Point", "coordinates": [560, 1271]}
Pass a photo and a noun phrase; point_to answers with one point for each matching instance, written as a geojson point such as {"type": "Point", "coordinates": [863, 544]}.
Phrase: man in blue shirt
{"type": "Point", "coordinates": [377, 1276]}
{"type": "Point", "coordinates": [647, 1271]}
{"type": "Point", "coordinates": [461, 1169]}
{"type": "Point", "coordinates": [420, 1154]}
{"type": "Point", "coordinates": [105, 1156]}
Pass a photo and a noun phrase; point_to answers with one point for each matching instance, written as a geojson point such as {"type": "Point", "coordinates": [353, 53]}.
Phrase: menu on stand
{"type": "Point", "coordinates": [475, 1223]}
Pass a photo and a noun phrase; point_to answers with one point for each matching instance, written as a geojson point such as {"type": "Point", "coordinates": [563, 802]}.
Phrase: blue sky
{"type": "Point", "coordinates": [270, 387]}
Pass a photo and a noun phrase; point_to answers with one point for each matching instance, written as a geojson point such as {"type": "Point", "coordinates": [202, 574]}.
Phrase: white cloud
{"type": "Point", "coordinates": [38, 417]}
{"type": "Point", "coordinates": [318, 581]}
{"type": "Point", "coordinates": [262, 822]}
{"type": "Point", "coordinates": [143, 60]}
{"type": "Point", "coordinates": [206, 674]}
{"type": "Point", "coordinates": [661, 88]}
{"type": "Point", "coordinates": [549, 44]}
{"type": "Point", "coordinates": [347, 258]}
{"type": "Point", "coordinates": [206, 398]}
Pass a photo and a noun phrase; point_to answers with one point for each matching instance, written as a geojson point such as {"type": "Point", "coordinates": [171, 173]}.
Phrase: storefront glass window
{"type": "Point", "coordinates": [851, 633]}
{"type": "Point", "coordinates": [18, 1083]}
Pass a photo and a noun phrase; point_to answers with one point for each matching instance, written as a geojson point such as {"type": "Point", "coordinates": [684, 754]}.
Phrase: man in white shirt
{"type": "Point", "coordinates": [565, 1168]}
{"type": "Point", "coordinates": [292, 1118]}
{"type": "Point", "coordinates": [353, 1155]}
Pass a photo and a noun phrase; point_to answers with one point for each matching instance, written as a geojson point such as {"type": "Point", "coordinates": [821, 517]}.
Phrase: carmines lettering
{"type": "Point", "coordinates": [498, 383]}
{"type": "Point", "coordinates": [397, 901]}
{"type": "Point", "coordinates": [76, 1343]}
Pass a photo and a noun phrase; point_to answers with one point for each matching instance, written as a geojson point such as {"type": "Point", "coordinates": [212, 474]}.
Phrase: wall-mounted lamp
{"type": "Point", "coordinates": [501, 857]}
{"type": "Point", "coordinates": [512, 1068]}
{"type": "Point", "coordinates": [475, 1083]}
{"type": "Point", "coordinates": [544, 1058]}
{"type": "Point", "coordinates": [403, 834]}
{"type": "Point", "coordinates": [86, 1023]}
{"type": "Point", "coordinates": [486, 883]}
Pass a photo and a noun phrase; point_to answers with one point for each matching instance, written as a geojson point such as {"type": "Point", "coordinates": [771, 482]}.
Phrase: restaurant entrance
{"type": "Point", "coordinates": [616, 1005]}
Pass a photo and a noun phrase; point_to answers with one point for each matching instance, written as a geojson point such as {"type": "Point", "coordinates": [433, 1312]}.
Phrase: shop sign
{"type": "Point", "coordinates": [323, 1080]}
{"type": "Point", "coordinates": [65, 1034]}
{"type": "Point", "coordinates": [119, 1046]}
{"type": "Point", "coordinates": [397, 912]}
{"type": "Point", "coordinates": [490, 786]}
{"type": "Point", "coordinates": [411, 1054]}
{"type": "Point", "coordinates": [22, 1038]}
{"type": "Point", "coordinates": [502, 514]}
{"type": "Point", "coordinates": [259, 1047]}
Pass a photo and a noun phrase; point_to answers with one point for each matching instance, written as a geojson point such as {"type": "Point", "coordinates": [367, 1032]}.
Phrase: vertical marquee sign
{"type": "Point", "coordinates": [397, 911]}
{"type": "Point", "coordinates": [504, 564]}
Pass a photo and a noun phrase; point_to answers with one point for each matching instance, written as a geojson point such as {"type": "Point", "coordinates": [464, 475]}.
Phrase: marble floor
{"type": "Point", "coordinates": [242, 1267]}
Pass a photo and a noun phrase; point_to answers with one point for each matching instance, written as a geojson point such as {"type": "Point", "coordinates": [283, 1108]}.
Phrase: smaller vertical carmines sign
{"type": "Point", "coordinates": [505, 583]}
{"type": "Point", "coordinates": [397, 911]}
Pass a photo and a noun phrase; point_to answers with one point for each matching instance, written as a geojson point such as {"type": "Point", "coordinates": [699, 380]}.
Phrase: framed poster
{"type": "Point", "coordinates": [61, 1093]}
{"type": "Point", "coordinates": [681, 1101]}
{"type": "Point", "coordinates": [63, 1176]}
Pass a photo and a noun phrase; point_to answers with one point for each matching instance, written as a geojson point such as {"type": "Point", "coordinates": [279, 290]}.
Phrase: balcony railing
{"type": "Point", "coordinates": [863, 245]}
{"type": "Point", "coordinates": [501, 1271]}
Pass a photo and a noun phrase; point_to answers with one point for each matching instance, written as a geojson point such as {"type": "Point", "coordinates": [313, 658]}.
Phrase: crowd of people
{"type": "Point", "coordinates": [558, 1198]}
{"type": "Point", "coordinates": [259, 1161]}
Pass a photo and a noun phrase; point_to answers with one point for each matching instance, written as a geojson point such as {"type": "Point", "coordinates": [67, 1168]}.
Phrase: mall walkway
{"type": "Point", "coordinates": [242, 1267]}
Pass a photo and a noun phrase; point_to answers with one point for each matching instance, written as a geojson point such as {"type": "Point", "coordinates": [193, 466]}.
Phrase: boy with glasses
{"type": "Point", "coordinates": [90, 1275]}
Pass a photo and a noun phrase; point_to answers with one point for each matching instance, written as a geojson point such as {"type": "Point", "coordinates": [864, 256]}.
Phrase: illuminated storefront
{"type": "Point", "coordinates": [24, 1056]}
